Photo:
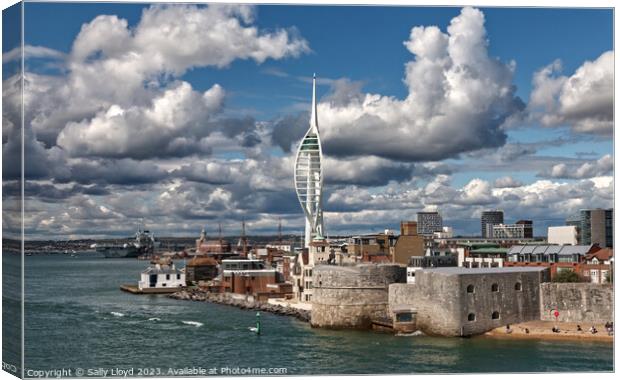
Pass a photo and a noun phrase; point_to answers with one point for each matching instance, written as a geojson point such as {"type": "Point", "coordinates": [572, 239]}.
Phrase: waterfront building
{"type": "Point", "coordinates": [520, 230]}
{"type": "Point", "coordinates": [248, 277]}
{"type": "Point", "coordinates": [481, 255]}
{"type": "Point", "coordinates": [597, 227]}
{"type": "Point", "coordinates": [599, 266]}
{"type": "Point", "coordinates": [429, 222]}
{"type": "Point", "coordinates": [163, 275]}
{"type": "Point", "coordinates": [488, 219]}
{"type": "Point", "coordinates": [201, 268]}
{"type": "Point", "coordinates": [563, 235]}
{"type": "Point", "coordinates": [298, 275]}
{"type": "Point", "coordinates": [309, 176]}
{"type": "Point", "coordinates": [557, 258]}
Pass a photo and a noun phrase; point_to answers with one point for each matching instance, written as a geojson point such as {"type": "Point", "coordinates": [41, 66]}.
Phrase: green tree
{"type": "Point", "coordinates": [567, 276]}
{"type": "Point", "coordinates": [609, 277]}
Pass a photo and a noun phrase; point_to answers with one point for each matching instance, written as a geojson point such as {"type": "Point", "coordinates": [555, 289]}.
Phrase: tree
{"type": "Point", "coordinates": [567, 276]}
{"type": "Point", "coordinates": [609, 277]}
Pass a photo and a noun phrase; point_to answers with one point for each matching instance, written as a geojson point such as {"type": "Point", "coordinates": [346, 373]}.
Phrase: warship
{"type": "Point", "coordinates": [143, 245]}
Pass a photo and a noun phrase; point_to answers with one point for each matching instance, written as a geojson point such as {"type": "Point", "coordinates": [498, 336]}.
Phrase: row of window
{"type": "Point", "coordinates": [472, 317]}
{"type": "Point", "coordinates": [494, 287]}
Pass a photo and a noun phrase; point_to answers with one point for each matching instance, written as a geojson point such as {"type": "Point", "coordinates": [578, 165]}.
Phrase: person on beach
{"type": "Point", "coordinates": [508, 329]}
{"type": "Point", "coordinates": [579, 328]}
{"type": "Point", "coordinates": [593, 330]}
{"type": "Point", "coordinates": [527, 331]}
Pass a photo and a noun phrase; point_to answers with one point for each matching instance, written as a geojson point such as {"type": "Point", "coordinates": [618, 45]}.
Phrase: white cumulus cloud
{"type": "Point", "coordinates": [458, 99]}
{"type": "Point", "coordinates": [583, 101]}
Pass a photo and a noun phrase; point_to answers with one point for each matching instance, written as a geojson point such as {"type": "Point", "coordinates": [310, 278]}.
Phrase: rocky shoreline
{"type": "Point", "coordinates": [227, 299]}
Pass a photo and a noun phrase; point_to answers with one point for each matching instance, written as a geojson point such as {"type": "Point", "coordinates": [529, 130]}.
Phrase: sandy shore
{"type": "Point", "coordinates": [542, 330]}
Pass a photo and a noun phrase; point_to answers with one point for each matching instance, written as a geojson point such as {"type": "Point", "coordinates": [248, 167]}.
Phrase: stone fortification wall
{"type": "Point", "coordinates": [577, 302]}
{"type": "Point", "coordinates": [352, 296]}
{"type": "Point", "coordinates": [445, 307]}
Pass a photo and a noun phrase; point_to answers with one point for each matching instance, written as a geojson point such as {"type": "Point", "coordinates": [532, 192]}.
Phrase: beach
{"type": "Point", "coordinates": [543, 330]}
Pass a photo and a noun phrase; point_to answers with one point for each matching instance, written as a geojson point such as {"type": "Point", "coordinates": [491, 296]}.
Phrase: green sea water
{"type": "Point", "coordinates": [77, 318]}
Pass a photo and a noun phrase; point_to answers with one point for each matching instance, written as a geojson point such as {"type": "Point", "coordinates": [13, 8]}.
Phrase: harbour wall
{"type": "Point", "coordinates": [240, 301]}
{"type": "Point", "coordinates": [577, 302]}
{"type": "Point", "coordinates": [352, 296]}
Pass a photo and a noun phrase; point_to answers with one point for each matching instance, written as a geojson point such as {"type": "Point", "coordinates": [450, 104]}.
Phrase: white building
{"type": "Point", "coordinates": [445, 233]}
{"type": "Point", "coordinates": [563, 235]}
{"type": "Point", "coordinates": [162, 276]}
{"type": "Point", "coordinates": [309, 176]}
{"type": "Point", "coordinates": [509, 231]}
{"type": "Point", "coordinates": [281, 246]}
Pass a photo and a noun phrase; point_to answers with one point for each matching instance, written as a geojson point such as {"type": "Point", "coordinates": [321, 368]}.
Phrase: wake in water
{"type": "Point", "coordinates": [154, 319]}
{"type": "Point", "coordinates": [415, 333]}
{"type": "Point", "coordinates": [192, 323]}
{"type": "Point", "coordinates": [117, 314]}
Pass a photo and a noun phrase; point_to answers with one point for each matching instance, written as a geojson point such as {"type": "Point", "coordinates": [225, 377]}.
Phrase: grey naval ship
{"type": "Point", "coordinates": [142, 245]}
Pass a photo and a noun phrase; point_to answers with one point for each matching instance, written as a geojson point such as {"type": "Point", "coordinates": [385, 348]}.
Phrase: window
{"type": "Point", "coordinates": [178, 276]}
{"type": "Point", "coordinates": [518, 286]}
{"type": "Point", "coordinates": [495, 288]}
{"type": "Point", "coordinates": [167, 277]}
{"type": "Point", "coordinates": [470, 288]}
{"type": "Point", "coordinates": [495, 315]}
{"type": "Point", "coordinates": [471, 317]}
{"type": "Point", "coordinates": [404, 317]}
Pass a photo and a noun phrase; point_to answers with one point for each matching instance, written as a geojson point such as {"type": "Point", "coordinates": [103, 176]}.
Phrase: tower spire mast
{"type": "Point", "coordinates": [314, 122]}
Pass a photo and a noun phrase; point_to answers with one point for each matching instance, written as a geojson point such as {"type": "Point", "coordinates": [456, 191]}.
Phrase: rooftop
{"type": "Point", "coordinates": [550, 248]}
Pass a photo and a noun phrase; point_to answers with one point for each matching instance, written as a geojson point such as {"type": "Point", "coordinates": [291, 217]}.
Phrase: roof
{"type": "Point", "coordinates": [480, 244]}
{"type": "Point", "coordinates": [602, 254]}
{"type": "Point", "coordinates": [489, 250]}
{"type": "Point", "coordinates": [201, 261]}
{"type": "Point", "coordinates": [165, 270]}
{"type": "Point", "coordinates": [461, 270]}
{"type": "Point", "coordinates": [563, 250]}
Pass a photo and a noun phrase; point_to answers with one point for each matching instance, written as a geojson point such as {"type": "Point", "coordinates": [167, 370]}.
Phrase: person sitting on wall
{"type": "Point", "coordinates": [527, 331]}
{"type": "Point", "coordinates": [593, 330]}
{"type": "Point", "coordinates": [579, 328]}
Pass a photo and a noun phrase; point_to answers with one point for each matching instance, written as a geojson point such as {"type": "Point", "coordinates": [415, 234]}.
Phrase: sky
{"type": "Point", "coordinates": [188, 116]}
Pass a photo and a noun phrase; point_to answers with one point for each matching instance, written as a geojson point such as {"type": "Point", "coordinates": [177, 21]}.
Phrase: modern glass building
{"type": "Point", "coordinates": [309, 176]}
{"type": "Point", "coordinates": [488, 219]}
{"type": "Point", "coordinates": [597, 227]}
{"type": "Point", "coordinates": [429, 222]}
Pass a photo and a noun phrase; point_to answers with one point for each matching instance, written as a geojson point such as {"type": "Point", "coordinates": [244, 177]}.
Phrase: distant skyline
{"type": "Point", "coordinates": [189, 115]}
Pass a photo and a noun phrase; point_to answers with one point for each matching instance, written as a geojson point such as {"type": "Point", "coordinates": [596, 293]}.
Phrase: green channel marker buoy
{"type": "Point", "coordinates": [258, 323]}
